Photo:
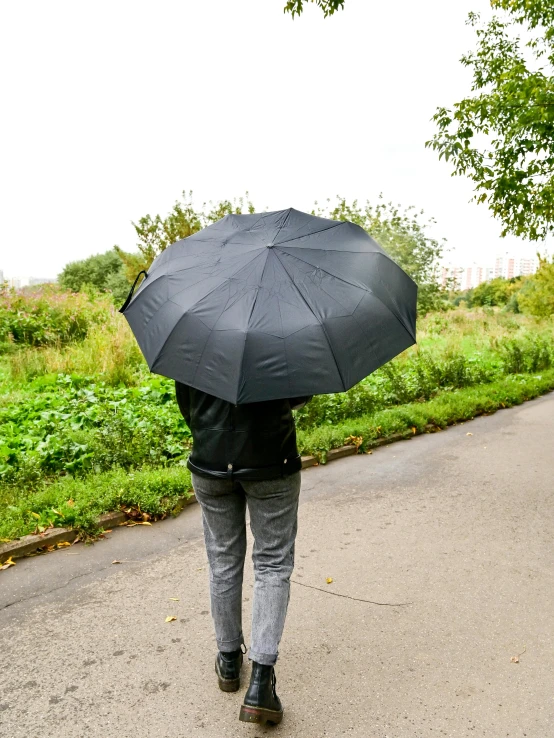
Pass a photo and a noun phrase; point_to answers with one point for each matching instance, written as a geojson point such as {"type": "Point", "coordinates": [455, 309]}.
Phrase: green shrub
{"type": "Point", "coordinates": [416, 378]}
{"type": "Point", "coordinates": [70, 424]}
{"type": "Point", "coordinates": [48, 316]}
{"type": "Point", "coordinates": [532, 354]}
{"type": "Point", "coordinates": [446, 408]}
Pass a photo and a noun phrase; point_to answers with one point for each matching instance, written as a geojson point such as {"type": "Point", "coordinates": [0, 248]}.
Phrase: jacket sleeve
{"type": "Point", "coordinates": [183, 400]}
{"type": "Point", "coordinates": [298, 402]}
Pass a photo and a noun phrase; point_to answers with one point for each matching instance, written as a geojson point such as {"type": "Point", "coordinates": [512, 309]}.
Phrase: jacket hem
{"type": "Point", "coordinates": [259, 473]}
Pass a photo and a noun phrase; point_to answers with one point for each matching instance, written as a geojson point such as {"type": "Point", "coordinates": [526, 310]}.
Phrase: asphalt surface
{"type": "Point", "coordinates": [451, 533]}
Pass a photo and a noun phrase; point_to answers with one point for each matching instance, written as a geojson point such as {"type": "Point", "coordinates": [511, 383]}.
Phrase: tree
{"type": "Point", "coordinates": [403, 236]}
{"type": "Point", "coordinates": [495, 292]}
{"type": "Point", "coordinates": [295, 7]}
{"type": "Point", "coordinates": [103, 271]}
{"type": "Point", "coordinates": [155, 234]}
{"type": "Point", "coordinates": [537, 296]}
{"type": "Point", "coordinates": [502, 136]}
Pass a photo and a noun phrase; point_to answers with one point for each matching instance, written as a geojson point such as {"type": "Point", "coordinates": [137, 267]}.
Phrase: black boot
{"type": "Point", "coordinates": [227, 668]}
{"type": "Point", "coordinates": [261, 704]}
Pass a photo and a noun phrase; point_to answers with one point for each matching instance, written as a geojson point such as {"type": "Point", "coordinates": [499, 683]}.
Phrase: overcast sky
{"type": "Point", "coordinates": [111, 109]}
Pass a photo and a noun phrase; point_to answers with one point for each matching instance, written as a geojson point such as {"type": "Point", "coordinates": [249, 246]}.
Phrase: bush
{"type": "Point", "coordinates": [404, 380]}
{"type": "Point", "coordinates": [109, 352]}
{"type": "Point", "coordinates": [533, 354]}
{"type": "Point", "coordinates": [48, 316]}
{"type": "Point", "coordinates": [72, 425]}
{"type": "Point", "coordinates": [406, 420]}
{"type": "Point", "coordinates": [104, 272]}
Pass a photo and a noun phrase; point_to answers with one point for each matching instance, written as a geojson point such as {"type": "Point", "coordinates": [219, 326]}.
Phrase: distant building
{"type": "Point", "coordinates": [508, 266]}
{"type": "Point", "coordinates": [527, 266]}
{"type": "Point", "coordinates": [452, 277]}
{"type": "Point", "coordinates": [468, 277]}
{"type": "Point", "coordinates": [42, 280]}
{"type": "Point", "coordinates": [18, 282]}
{"type": "Point", "coordinates": [1, 276]}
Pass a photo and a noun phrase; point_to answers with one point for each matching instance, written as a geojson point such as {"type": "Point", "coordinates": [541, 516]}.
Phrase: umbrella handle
{"type": "Point", "coordinates": [130, 295]}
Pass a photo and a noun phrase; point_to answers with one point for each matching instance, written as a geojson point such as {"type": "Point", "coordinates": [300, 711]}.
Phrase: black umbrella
{"type": "Point", "coordinates": [273, 305]}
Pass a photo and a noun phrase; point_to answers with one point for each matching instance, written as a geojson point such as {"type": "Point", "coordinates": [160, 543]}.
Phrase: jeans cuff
{"type": "Point", "coordinates": [233, 645]}
{"type": "Point", "coordinates": [267, 659]}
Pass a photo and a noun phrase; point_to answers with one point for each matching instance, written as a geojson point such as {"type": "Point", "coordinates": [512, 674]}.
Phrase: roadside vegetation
{"type": "Point", "coordinates": [86, 429]}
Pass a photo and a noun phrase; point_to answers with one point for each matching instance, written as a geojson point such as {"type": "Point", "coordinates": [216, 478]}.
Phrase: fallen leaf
{"type": "Point", "coordinates": [170, 618]}
{"type": "Point", "coordinates": [35, 515]}
{"type": "Point", "coordinates": [174, 599]}
{"type": "Point", "coordinates": [58, 513]}
{"type": "Point", "coordinates": [143, 522]}
{"type": "Point", "coordinates": [9, 562]}
{"type": "Point", "coordinates": [329, 580]}
{"type": "Point", "coordinates": [116, 561]}
{"type": "Point", "coordinates": [5, 540]}
{"type": "Point", "coordinates": [469, 434]}
{"type": "Point", "coordinates": [354, 440]}
{"type": "Point", "coordinates": [62, 544]}
{"type": "Point", "coordinates": [369, 452]}
{"type": "Point", "coordinates": [70, 502]}
{"type": "Point", "coordinates": [414, 430]}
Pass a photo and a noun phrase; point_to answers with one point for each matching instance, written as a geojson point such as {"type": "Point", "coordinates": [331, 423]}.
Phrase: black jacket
{"type": "Point", "coordinates": [253, 441]}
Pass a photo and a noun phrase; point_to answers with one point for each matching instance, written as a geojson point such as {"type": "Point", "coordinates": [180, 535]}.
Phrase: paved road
{"type": "Point", "coordinates": [458, 526]}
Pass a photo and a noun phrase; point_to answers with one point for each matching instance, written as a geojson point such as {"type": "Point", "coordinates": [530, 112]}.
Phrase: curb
{"type": "Point", "coordinates": [29, 544]}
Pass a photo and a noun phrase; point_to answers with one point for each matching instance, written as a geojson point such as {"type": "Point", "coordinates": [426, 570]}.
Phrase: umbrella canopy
{"type": "Point", "coordinates": [273, 305]}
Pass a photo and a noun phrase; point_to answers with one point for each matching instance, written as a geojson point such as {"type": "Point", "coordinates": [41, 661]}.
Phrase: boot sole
{"type": "Point", "coordinates": [249, 714]}
{"type": "Point", "coordinates": [229, 685]}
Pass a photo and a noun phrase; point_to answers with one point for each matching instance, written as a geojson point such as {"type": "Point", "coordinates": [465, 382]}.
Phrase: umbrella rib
{"type": "Point", "coordinates": [313, 233]}
{"type": "Point", "coordinates": [186, 313]}
{"type": "Point", "coordinates": [287, 216]}
{"type": "Point", "coordinates": [207, 276]}
{"type": "Point", "coordinates": [318, 320]}
{"type": "Point", "coordinates": [335, 276]}
{"type": "Point", "coordinates": [248, 323]}
{"type": "Point", "coordinates": [285, 345]}
{"type": "Point", "coordinates": [363, 287]}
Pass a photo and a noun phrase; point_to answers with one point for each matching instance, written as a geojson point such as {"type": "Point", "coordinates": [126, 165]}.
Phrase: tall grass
{"type": "Point", "coordinates": [109, 351]}
{"type": "Point", "coordinates": [48, 315]}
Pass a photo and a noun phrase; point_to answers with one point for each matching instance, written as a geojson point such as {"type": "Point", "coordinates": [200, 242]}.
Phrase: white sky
{"type": "Point", "coordinates": [111, 109]}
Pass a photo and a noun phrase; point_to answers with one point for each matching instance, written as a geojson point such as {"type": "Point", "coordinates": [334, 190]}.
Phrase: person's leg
{"type": "Point", "coordinates": [223, 515]}
{"type": "Point", "coordinates": [273, 507]}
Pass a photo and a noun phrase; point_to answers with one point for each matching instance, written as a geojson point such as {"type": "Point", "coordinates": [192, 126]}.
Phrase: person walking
{"type": "Point", "coordinates": [245, 455]}
{"type": "Point", "coordinates": [251, 310]}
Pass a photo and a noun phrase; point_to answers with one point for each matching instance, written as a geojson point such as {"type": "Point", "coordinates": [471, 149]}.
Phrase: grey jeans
{"type": "Point", "coordinates": [273, 508]}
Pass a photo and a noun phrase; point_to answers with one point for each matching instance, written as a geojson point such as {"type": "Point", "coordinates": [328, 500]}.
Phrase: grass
{"type": "Point", "coordinates": [77, 502]}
